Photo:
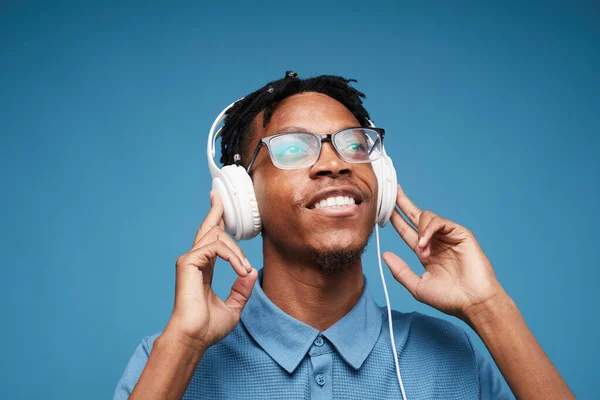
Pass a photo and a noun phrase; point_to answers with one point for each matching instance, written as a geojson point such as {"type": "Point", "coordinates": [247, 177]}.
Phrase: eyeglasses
{"type": "Point", "coordinates": [300, 149]}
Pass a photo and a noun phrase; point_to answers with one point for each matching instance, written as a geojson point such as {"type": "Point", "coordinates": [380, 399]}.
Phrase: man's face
{"type": "Point", "coordinates": [286, 198]}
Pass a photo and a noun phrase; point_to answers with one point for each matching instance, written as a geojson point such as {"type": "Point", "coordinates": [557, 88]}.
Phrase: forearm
{"type": "Point", "coordinates": [169, 369]}
{"type": "Point", "coordinates": [524, 364]}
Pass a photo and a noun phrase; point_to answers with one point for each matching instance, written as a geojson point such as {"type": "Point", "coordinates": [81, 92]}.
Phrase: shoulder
{"type": "Point", "coordinates": [135, 366]}
{"type": "Point", "coordinates": [422, 323]}
{"type": "Point", "coordinates": [436, 326]}
{"type": "Point", "coordinates": [142, 351]}
{"type": "Point", "coordinates": [234, 337]}
{"type": "Point", "coordinates": [430, 333]}
{"type": "Point", "coordinates": [447, 350]}
{"type": "Point", "coordinates": [148, 342]}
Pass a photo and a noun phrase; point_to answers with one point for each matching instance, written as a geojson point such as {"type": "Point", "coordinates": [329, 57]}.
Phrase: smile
{"type": "Point", "coordinates": [335, 201]}
{"type": "Point", "coordinates": [337, 207]}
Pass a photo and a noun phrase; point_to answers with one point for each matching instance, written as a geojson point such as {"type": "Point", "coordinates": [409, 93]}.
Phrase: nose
{"type": "Point", "coordinates": [329, 163]}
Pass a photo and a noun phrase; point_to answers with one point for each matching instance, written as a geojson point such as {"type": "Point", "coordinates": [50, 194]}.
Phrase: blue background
{"type": "Point", "coordinates": [492, 114]}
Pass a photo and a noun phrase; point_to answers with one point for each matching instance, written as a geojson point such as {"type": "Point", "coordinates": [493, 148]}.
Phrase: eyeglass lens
{"type": "Point", "coordinates": [298, 150]}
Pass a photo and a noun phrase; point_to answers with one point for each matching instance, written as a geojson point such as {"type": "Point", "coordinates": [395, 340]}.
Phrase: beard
{"type": "Point", "coordinates": [337, 261]}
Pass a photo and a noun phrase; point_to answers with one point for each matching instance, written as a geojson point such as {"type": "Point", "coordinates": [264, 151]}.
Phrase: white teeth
{"type": "Point", "coordinates": [338, 201]}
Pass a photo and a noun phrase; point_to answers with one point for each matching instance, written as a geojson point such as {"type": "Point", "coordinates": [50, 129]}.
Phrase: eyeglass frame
{"type": "Point", "coordinates": [323, 137]}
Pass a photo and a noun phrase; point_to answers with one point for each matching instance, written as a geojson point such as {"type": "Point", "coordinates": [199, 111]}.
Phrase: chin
{"type": "Point", "coordinates": [337, 253]}
{"type": "Point", "coordinates": [346, 238]}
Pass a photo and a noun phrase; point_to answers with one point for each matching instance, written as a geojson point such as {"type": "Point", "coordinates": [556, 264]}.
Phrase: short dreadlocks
{"type": "Point", "coordinates": [238, 128]}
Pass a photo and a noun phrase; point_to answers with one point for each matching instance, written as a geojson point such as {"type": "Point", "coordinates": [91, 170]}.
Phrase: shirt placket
{"type": "Point", "coordinates": [321, 359]}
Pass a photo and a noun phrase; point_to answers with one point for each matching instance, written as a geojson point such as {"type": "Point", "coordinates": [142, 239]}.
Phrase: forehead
{"type": "Point", "coordinates": [313, 112]}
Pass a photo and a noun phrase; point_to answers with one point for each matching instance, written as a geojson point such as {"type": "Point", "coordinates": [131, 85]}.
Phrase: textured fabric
{"type": "Point", "coordinates": [363, 322]}
{"type": "Point", "coordinates": [270, 355]}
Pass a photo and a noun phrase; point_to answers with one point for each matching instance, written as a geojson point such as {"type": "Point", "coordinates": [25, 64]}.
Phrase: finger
{"type": "Point", "coordinates": [424, 219]}
{"type": "Point", "coordinates": [240, 293]}
{"type": "Point", "coordinates": [404, 229]}
{"type": "Point", "coordinates": [402, 272]}
{"type": "Point", "coordinates": [203, 257]}
{"type": "Point", "coordinates": [213, 218]}
{"type": "Point", "coordinates": [217, 233]}
{"type": "Point", "coordinates": [215, 198]}
{"type": "Point", "coordinates": [436, 225]}
{"type": "Point", "coordinates": [408, 207]}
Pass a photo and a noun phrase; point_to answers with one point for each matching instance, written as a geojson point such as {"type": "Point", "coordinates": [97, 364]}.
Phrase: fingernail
{"type": "Point", "coordinates": [422, 241]}
{"type": "Point", "coordinates": [247, 264]}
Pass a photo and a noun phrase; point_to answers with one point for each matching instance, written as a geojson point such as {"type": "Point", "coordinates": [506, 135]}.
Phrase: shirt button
{"type": "Point", "coordinates": [319, 341]}
{"type": "Point", "coordinates": [320, 379]}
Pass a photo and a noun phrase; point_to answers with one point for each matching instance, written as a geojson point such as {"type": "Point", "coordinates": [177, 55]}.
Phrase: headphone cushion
{"type": "Point", "coordinates": [256, 224]}
{"type": "Point", "coordinates": [241, 191]}
{"type": "Point", "coordinates": [391, 191]}
{"type": "Point", "coordinates": [387, 182]}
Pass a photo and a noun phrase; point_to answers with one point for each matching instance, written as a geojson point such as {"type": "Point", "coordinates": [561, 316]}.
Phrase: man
{"type": "Point", "coordinates": [308, 326]}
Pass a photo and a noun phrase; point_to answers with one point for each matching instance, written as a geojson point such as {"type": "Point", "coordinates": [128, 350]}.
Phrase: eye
{"type": "Point", "coordinates": [356, 146]}
{"type": "Point", "coordinates": [292, 150]}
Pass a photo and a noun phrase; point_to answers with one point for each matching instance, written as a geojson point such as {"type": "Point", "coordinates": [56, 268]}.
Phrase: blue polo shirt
{"type": "Point", "coordinates": [270, 355]}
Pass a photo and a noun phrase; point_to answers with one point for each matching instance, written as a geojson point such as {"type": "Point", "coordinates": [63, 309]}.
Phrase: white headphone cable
{"type": "Point", "coordinates": [389, 311]}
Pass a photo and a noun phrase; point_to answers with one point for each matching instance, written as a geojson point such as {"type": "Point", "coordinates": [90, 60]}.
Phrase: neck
{"type": "Point", "coordinates": [302, 290]}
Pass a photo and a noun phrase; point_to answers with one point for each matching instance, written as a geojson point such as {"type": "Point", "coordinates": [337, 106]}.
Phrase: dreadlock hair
{"type": "Point", "coordinates": [238, 127]}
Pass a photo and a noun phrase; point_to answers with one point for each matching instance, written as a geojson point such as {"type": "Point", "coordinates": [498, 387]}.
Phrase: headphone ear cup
{"type": "Point", "coordinates": [241, 216]}
{"type": "Point", "coordinates": [387, 191]}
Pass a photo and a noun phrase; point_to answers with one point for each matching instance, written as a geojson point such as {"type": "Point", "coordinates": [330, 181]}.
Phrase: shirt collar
{"type": "Point", "coordinates": [287, 340]}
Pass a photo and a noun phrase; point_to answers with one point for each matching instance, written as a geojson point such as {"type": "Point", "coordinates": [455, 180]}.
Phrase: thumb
{"type": "Point", "coordinates": [240, 293]}
{"type": "Point", "coordinates": [402, 272]}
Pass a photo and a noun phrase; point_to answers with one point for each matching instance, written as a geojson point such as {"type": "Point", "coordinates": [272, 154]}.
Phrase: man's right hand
{"type": "Point", "coordinates": [200, 318]}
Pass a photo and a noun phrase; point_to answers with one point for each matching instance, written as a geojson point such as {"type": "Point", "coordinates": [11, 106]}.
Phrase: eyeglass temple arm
{"type": "Point", "coordinates": [260, 144]}
{"type": "Point", "coordinates": [374, 146]}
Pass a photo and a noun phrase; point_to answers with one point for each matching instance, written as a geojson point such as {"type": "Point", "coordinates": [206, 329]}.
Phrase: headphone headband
{"type": "Point", "coordinates": [212, 139]}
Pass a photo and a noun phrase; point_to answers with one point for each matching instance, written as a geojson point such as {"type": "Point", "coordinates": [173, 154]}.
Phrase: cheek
{"type": "Point", "coordinates": [274, 193]}
{"type": "Point", "coordinates": [369, 179]}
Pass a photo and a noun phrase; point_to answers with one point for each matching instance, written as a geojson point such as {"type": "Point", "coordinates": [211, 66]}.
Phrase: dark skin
{"type": "Point", "coordinates": [293, 231]}
{"type": "Point", "coordinates": [458, 278]}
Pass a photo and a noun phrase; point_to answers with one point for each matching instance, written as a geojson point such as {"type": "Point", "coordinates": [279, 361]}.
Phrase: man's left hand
{"type": "Point", "coordinates": [459, 279]}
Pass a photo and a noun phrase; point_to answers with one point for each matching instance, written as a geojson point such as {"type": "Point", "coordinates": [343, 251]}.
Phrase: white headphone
{"type": "Point", "coordinates": [235, 188]}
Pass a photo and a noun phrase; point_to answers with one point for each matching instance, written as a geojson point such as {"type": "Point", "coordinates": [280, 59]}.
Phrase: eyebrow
{"type": "Point", "coordinates": [299, 129]}
{"type": "Point", "coordinates": [293, 129]}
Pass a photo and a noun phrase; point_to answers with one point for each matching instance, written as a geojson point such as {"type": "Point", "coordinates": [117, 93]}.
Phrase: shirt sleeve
{"type": "Point", "coordinates": [491, 383]}
{"type": "Point", "coordinates": [134, 368]}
